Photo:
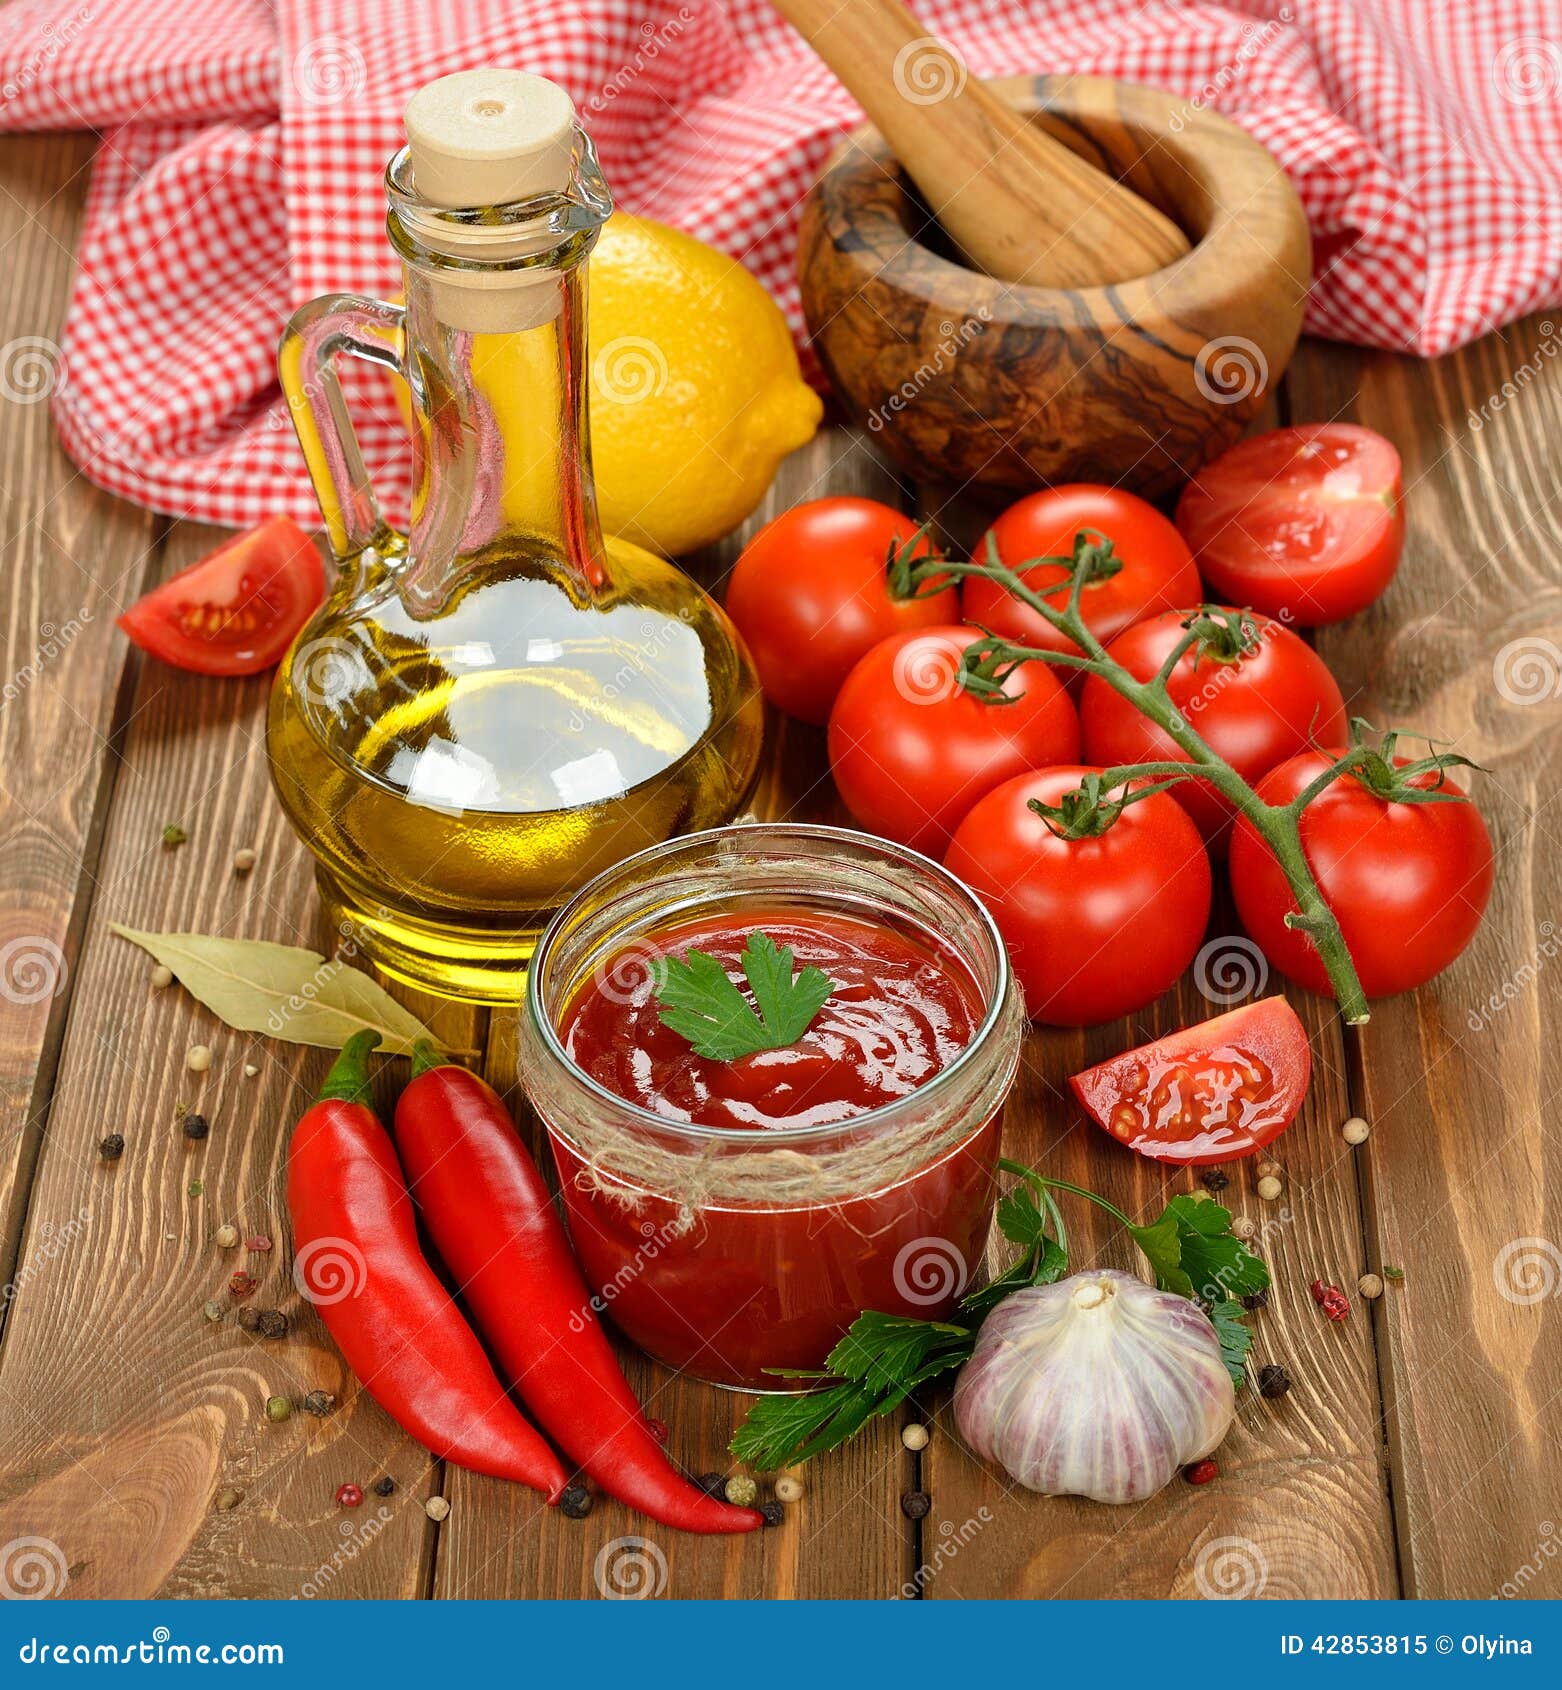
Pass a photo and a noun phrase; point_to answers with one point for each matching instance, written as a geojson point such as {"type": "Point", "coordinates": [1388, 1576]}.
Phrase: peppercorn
{"type": "Point", "coordinates": [212, 1309]}
{"type": "Point", "coordinates": [249, 1319]}
{"type": "Point", "coordinates": [227, 1499]}
{"type": "Point", "coordinates": [195, 1188]}
{"type": "Point", "coordinates": [789, 1489]}
{"type": "Point", "coordinates": [1355, 1131]}
{"type": "Point", "coordinates": [278, 1409]}
{"type": "Point", "coordinates": [241, 1284]}
{"type": "Point", "coordinates": [259, 1245]}
{"type": "Point", "coordinates": [575, 1502]}
{"type": "Point", "coordinates": [385, 1486]}
{"type": "Point", "coordinates": [161, 977]}
{"type": "Point", "coordinates": [1244, 1227]}
{"type": "Point", "coordinates": [319, 1403]}
{"type": "Point", "coordinates": [740, 1490]}
{"type": "Point", "coordinates": [226, 1237]}
{"type": "Point", "coordinates": [198, 1058]}
{"type": "Point", "coordinates": [272, 1323]}
{"type": "Point", "coordinates": [1273, 1381]}
{"type": "Point", "coordinates": [436, 1508]}
{"type": "Point", "coordinates": [1214, 1179]}
{"type": "Point", "coordinates": [772, 1513]}
{"type": "Point", "coordinates": [111, 1147]}
{"type": "Point", "coordinates": [174, 835]}
{"type": "Point", "coordinates": [348, 1496]}
{"type": "Point", "coordinates": [1256, 1300]}
{"type": "Point", "coordinates": [1331, 1299]}
{"type": "Point", "coordinates": [915, 1504]}
{"type": "Point", "coordinates": [657, 1428]}
{"type": "Point", "coordinates": [1269, 1188]}
{"type": "Point", "coordinates": [1370, 1286]}
{"type": "Point", "coordinates": [1269, 1170]}
{"type": "Point", "coordinates": [1200, 1473]}
{"type": "Point", "coordinates": [195, 1126]}
{"type": "Point", "coordinates": [243, 860]}
{"type": "Point", "coordinates": [914, 1437]}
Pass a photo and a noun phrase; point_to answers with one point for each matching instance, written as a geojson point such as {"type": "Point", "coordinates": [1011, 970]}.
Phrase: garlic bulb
{"type": "Point", "coordinates": [1096, 1386]}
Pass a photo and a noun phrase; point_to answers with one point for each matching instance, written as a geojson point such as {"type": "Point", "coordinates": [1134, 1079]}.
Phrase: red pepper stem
{"type": "Point", "coordinates": [348, 1080]}
{"type": "Point", "coordinates": [427, 1055]}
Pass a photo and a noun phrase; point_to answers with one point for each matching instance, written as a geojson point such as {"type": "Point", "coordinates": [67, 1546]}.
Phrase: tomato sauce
{"type": "Point", "coordinates": [745, 1288]}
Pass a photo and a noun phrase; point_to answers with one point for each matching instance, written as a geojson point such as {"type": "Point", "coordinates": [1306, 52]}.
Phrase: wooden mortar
{"type": "Point", "coordinates": [963, 379]}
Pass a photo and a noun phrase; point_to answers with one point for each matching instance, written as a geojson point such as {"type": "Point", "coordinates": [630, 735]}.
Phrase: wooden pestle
{"type": "Point", "coordinates": [1018, 203]}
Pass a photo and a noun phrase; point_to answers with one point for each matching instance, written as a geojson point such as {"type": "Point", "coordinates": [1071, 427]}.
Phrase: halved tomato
{"type": "Point", "coordinates": [1208, 1093]}
{"type": "Point", "coordinates": [236, 611]}
{"type": "Point", "coordinates": [1304, 524]}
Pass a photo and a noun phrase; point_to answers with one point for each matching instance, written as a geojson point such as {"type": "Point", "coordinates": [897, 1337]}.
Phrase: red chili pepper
{"type": "Point", "coordinates": [358, 1260]}
{"type": "Point", "coordinates": [488, 1211]}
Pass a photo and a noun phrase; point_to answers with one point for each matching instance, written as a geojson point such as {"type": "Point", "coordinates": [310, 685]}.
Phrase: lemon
{"type": "Point", "coordinates": [695, 391]}
{"type": "Point", "coordinates": [696, 395]}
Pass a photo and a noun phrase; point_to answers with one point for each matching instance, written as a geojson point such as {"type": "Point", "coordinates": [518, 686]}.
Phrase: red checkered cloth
{"type": "Point", "coordinates": [244, 141]}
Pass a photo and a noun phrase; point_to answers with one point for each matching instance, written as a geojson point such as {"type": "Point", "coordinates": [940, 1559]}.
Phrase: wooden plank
{"type": "Point", "coordinates": [847, 1537]}
{"type": "Point", "coordinates": [1299, 1508]}
{"type": "Point", "coordinates": [71, 558]}
{"type": "Point", "coordinates": [123, 1412]}
{"type": "Point", "coordinates": [1464, 1183]}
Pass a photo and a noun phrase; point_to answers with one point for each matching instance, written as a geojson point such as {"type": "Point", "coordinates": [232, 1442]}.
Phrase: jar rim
{"type": "Point", "coordinates": [994, 1015]}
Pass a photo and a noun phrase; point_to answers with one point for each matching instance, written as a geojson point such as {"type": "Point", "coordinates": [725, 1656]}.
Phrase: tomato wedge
{"type": "Point", "coordinates": [1304, 524]}
{"type": "Point", "coordinates": [1207, 1093]}
{"type": "Point", "coordinates": [236, 611]}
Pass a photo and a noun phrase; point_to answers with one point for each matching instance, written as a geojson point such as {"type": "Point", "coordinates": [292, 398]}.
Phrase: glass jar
{"type": "Point", "coordinates": [728, 1253]}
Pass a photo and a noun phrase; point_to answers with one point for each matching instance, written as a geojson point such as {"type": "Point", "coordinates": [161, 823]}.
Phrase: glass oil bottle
{"type": "Point", "coordinates": [497, 705]}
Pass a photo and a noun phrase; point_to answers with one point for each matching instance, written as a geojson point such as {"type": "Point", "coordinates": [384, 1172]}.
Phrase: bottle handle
{"type": "Point", "coordinates": [353, 326]}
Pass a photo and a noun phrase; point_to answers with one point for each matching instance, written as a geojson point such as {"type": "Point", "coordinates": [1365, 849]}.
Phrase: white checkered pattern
{"type": "Point", "coordinates": [244, 143]}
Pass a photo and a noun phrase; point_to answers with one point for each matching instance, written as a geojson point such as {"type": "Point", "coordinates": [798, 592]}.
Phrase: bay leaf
{"type": "Point", "coordinates": [283, 991]}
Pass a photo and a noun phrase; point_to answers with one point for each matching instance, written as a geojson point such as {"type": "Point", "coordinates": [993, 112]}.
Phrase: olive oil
{"type": "Point", "coordinates": [496, 706]}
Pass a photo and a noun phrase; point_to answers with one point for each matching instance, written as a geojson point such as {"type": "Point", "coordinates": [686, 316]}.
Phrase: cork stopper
{"type": "Point", "coordinates": [483, 138]}
{"type": "Point", "coordinates": [489, 136]}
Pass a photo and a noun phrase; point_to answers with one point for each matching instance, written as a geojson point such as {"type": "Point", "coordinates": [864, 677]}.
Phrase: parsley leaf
{"type": "Point", "coordinates": [1235, 1339]}
{"type": "Point", "coordinates": [878, 1364]}
{"type": "Point", "coordinates": [1194, 1252]}
{"type": "Point", "coordinates": [703, 1005]}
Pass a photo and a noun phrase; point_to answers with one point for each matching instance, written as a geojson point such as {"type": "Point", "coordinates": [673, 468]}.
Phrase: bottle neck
{"type": "Point", "coordinates": [502, 452]}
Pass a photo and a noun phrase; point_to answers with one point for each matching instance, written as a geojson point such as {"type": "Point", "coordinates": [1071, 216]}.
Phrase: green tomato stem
{"type": "Point", "coordinates": [1277, 825]}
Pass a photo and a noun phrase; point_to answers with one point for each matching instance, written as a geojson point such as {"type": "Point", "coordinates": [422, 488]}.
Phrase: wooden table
{"type": "Point", "coordinates": [1417, 1453]}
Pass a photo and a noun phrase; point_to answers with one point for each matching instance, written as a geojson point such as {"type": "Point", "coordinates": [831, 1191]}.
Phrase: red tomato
{"type": "Point", "coordinates": [237, 610]}
{"type": "Point", "coordinates": [911, 750]}
{"type": "Point", "coordinates": [1254, 710]}
{"type": "Point", "coordinates": [1408, 883]}
{"type": "Point", "coordinates": [1157, 570]}
{"type": "Point", "coordinates": [1096, 927]}
{"type": "Point", "coordinates": [1208, 1093]}
{"type": "Point", "coordinates": [811, 595]}
{"type": "Point", "coordinates": [1305, 524]}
